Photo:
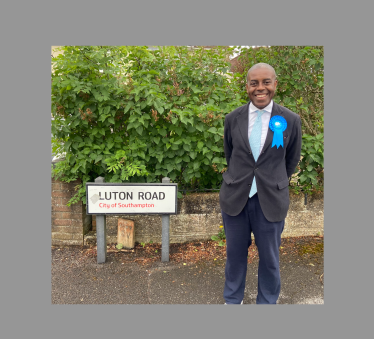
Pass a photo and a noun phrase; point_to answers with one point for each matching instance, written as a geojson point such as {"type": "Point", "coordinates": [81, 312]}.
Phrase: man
{"type": "Point", "coordinates": [262, 143]}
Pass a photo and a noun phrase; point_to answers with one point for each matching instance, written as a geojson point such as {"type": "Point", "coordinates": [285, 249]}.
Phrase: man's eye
{"type": "Point", "coordinates": [267, 82]}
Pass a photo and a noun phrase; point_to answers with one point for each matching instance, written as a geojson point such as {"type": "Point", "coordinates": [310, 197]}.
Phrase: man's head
{"type": "Point", "coordinates": [261, 84]}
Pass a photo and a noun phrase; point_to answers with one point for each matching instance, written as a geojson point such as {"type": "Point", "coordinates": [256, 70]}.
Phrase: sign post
{"type": "Point", "coordinates": [101, 232]}
{"type": "Point", "coordinates": [165, 231]}
{"type": "Point", "coordinates": [131, 198]}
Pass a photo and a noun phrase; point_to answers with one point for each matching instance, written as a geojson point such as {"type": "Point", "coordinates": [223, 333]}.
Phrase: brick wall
{"type": "Point", "coordinates": [69, 224]}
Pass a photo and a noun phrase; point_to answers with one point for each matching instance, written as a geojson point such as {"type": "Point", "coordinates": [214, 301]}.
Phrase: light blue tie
{"type": "Point", "coordinates": [255, 142]}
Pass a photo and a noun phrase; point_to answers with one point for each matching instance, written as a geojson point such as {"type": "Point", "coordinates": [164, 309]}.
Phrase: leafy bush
{"type": "Point", "coordinates": [145, 113]}
{"type": "Point", "coordinates": [310, 171]}
{"type": "Point", "coordinates": [131, 114]}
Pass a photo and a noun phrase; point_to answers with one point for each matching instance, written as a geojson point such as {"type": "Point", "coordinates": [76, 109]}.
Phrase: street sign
{"type": "Point", "coordinates": [131, 198]}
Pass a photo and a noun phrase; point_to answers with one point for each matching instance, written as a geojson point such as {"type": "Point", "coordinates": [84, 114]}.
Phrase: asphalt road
{"type": "Point", "coordinates": [78, 279]}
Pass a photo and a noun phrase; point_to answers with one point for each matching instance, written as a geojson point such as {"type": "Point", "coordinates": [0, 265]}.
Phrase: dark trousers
{"type": "Point", "coordinates": [238, 238]}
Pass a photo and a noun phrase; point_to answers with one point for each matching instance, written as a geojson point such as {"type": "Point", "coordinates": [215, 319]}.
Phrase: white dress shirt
{"type": "Point", "coordinates": [265, 118]}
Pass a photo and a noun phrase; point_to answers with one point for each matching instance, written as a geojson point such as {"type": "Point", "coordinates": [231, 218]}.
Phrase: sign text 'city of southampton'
{"type": "Point", "coordinates": [131, 198]}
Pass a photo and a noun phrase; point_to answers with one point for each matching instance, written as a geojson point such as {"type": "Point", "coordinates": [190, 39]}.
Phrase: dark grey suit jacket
{"type": "Point", "coordinates": [273, 168]}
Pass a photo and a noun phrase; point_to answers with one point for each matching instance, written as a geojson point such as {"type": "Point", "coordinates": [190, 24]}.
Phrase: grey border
{"type": "Point", "coordinates": [343, 28]}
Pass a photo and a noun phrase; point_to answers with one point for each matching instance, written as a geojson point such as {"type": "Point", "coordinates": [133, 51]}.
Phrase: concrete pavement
{"type": "Point", "coordinates": [78, 279]}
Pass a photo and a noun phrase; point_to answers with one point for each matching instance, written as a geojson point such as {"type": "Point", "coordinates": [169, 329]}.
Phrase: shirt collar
{"type": "Point", "coordinates": [253, 108]}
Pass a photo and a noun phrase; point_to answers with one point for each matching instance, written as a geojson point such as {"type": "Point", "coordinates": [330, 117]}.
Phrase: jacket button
{"type": "Point", "coordinates": [249, 184]}
{"type": "Point", "coordinates": [250, 152]}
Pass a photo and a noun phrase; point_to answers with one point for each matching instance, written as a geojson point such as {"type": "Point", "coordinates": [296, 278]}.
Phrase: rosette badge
{"type": "Point", "coordinates": [278, 125]}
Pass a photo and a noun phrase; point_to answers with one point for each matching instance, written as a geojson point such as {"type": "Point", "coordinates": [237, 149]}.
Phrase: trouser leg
{"type": "Point", "coordinates": [268, 239]}
{"type": "Point", "coordinates": [238, 239]}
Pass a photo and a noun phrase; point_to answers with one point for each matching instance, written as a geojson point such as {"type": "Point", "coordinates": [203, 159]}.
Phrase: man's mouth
{"type": "Point", "coordinates": [260, 96]}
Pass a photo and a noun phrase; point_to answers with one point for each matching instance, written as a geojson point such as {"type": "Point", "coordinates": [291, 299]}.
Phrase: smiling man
{"type": "Point", "coordinates": [262, 143]}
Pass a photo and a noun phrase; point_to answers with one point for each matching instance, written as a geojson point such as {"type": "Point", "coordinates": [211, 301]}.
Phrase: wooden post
{"type": "Point", "coordinates": [126, 233]}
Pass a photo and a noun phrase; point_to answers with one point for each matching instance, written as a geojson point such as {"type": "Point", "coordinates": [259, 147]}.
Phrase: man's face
{"type": "Point", "coordinates": [261, 86]}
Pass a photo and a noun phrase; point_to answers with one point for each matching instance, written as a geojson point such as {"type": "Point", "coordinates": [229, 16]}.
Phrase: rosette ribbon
{"type": "Point", "coordinates": [278, 125]}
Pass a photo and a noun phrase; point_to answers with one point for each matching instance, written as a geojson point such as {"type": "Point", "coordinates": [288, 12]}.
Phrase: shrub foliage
{"type": "Point", "coordinates": [161, 110]}
{"type": "Point", "coordinates": [132, 114]}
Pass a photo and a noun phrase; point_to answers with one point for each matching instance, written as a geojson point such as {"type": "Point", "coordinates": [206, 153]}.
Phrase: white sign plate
{"type": "Point", "coordinates": [130, 198]}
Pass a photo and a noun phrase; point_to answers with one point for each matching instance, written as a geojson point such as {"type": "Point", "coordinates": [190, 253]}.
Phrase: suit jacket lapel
{"type": "Point", "coordinates": [269, 137]}
{"type": "Point", "coordinates": [243, 125]}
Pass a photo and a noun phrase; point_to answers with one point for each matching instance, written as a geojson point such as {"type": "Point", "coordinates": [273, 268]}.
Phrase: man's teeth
{"type": "Point", "coordinates": [261, 96]}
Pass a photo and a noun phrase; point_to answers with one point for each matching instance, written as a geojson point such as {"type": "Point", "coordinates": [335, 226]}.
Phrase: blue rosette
{"type": "Point", "coordinates": [278, 125]}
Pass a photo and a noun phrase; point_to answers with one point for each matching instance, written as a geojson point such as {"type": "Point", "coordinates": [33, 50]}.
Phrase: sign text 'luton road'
{"type": "Point", "coordinates": [128, 198]}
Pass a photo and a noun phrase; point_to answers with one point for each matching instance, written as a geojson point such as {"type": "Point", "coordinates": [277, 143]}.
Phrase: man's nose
{"type": "Point", "coordinates": [261, 87]}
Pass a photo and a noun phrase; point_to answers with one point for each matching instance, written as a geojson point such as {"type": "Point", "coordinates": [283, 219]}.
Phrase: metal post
{"type": "Point", "coordinates": [165, 231]}
{"type": "Point", "coordinates": [101, 232]}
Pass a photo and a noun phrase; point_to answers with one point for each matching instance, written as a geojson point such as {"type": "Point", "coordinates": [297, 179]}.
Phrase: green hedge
{"type": "Point", "coordinates": [131, 114]}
